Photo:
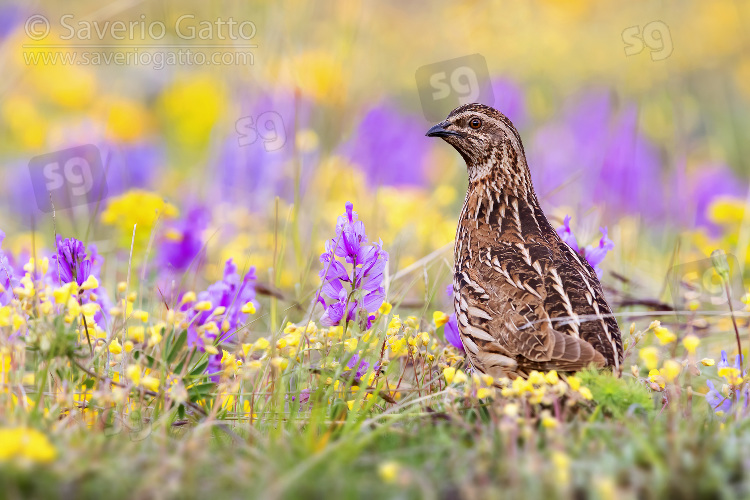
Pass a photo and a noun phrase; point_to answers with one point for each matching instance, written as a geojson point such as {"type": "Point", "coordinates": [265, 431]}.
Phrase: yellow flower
{"type": "Point", "coordinates": [670, 370]}
{"type": "Point", "coordinates": [261, 344]}
{"type": "Point", "coordinates": [586, 393]}
{"type": "Point", "coordinates": [395, 323]}
{"type": "Point", "coordinates": [248, 308]}
{"type": "Point", "coordinates": [127, 120]}
{"type": "Point", "coordinates": [388, 471]}
{"type": "Point", "coordinates": [133, 372]}
{"type": "Point", "coordinates": [65, 292]}
{"type": "Point", "coordinates": [548, 420]}
{"type": "Point", "coordinates": [150, 383]}
{"type": "Point", "coordinates": [536, 378]}
{"type": "Point", "coordinates": [440, 318]}
{"type": "Point", "coordinates": [664, 335]}
{"type": "Point", "coordinates": [115, 347]}
{"type": "Point", "coordinates": [730, 373]}
{"type": "Point", "coordinates": [351, 345]}
{"type": "Point", "coordinates": [91, 283]}
{"type": "Point", "coordinates": [727, 210]}
{"type": "Point", "coordinates": [320, 75]}
{"type": "Point", "coordinates": [203, 305]}
{"type": "Point", "coordinates": [136, 208]}
{"type": "Point", "coordinates": [656, 377]}
{"type": "Point", "coordinates": [650, 357]}
{"type": "Point", "coordinates": [24, 121]}
{"type": "Point", "coordinates": [128, 346]}
{"type": "Point", "coordinates": [192, 107]}
{"type": "Point", "coordinates": [398, 347]}
{"type": "Point", "coordinates": [188, 297]}
{"type": "Point", "coordinates": [708, 362]}
{"type": "Point", "coordinates": [460, 377]}
{"type": "Point", "coordinates": [385, 308]}
{"type": "Point", "coordinates": [691, 343]}
{"type": "Point", "coordinates": [551, 377]}
{"type": "Point", "coordinates": [21, 443]}
{"type": "Point", "coordinates": [485, 392]}
{"type": "Point", "coordinates": [137, 333]}
{"type": "Point", "coordinates": [42, 266]}
{"type": "Point", "coordinates": [141, 315]}
{"type": "Point", "coordinates": [280, 363]}
{"type": "Point", "coordinates": [449, 373]}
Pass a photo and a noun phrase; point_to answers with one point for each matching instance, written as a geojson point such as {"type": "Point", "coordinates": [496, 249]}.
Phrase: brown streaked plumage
{"type": "Point", "coordinates": [524, 299]}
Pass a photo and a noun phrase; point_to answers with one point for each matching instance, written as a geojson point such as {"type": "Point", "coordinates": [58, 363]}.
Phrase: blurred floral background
{"type": "Point", "coordinates": [651, 146]}
{"type": "Point", "coordinates": [224, 142]}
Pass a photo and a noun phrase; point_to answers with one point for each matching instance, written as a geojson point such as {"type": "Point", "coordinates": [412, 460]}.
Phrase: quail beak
{"type": "Point", "coordinates": [440, 130]}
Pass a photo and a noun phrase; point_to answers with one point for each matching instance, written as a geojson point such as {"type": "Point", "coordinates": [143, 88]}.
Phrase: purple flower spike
{"type": "Point", "coordinates": [355, 292]}
{"type": "Point", "coordinates": [71, 261]}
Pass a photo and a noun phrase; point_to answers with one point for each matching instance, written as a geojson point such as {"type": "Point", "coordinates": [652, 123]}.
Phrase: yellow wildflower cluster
{"type": "Point", "coordinates": [26, 445]}
{"type": "Point", "coordinates": [668, 373]}
{"type": "Point", "coordinates": [136, 208]}
{"type": "Point", "coordinates": [542, 388]}
{"type": "Point", "coordinates": [406, 338]}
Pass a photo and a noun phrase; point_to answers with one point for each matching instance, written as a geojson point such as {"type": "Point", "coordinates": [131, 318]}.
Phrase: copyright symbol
{"type": "Point", "coordinates": [37, 27]}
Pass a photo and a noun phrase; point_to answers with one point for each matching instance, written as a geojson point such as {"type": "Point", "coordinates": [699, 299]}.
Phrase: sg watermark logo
{"type": "Point", "coordinates": [268, 126]}
{"type": "Point", "coordinates": [446, 85]}
{"type": "Point", "coordinates": [710, 286]}
{"type": "Point", "coordinates": [655, 35]}
{"type": "Point", "coordinates": [68, 178]}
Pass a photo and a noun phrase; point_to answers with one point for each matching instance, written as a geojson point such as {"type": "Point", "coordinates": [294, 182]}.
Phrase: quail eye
{"type": "Point", "coordinates": [475, 123]}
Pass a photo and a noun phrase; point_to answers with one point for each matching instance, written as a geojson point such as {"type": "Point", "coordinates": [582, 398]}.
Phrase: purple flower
{"type": "Point", "coordinates": [355, 292]}
{"type": "Point", "coordinates": [184, 240]}
{"type": "Point", "coordinates": [350, 234]}
{"type": "Point", "coordinates": [593, 254]}
{"type": "Point", "coordinates": [595, 153]}
{"type": "Point", "coordinates": [388, 147]}
{"type": "Point", "coordinates": [596, 254]}
{"type": "Point", "coordinates": [451, 333]}
{"type": "Point", "coordinates": [724, 361]}
{"type": "Point", "coordinates": [256, 164]}
{"type": "Point", "coordinates": [8, 278]}
{"type": "Point", "coordinates": [567, 235]}
{"type": "Point", "coordinates": [11, 17]}
{"type": "Point", "coordinates": [231, 292]}
{"type": "Point", "coordinates": [71, 262]}
{"type": "Point", "coordinates": [360, 365]}
{"type": "Point", "coordinates": [718, 401]}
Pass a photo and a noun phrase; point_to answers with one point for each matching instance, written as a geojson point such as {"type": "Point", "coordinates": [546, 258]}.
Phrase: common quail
{"type": "Point", "coordinates": [524, 299]}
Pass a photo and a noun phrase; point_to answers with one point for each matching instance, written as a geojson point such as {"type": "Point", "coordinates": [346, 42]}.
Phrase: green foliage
{"type": "Point", "coordinates": [617, 396]}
